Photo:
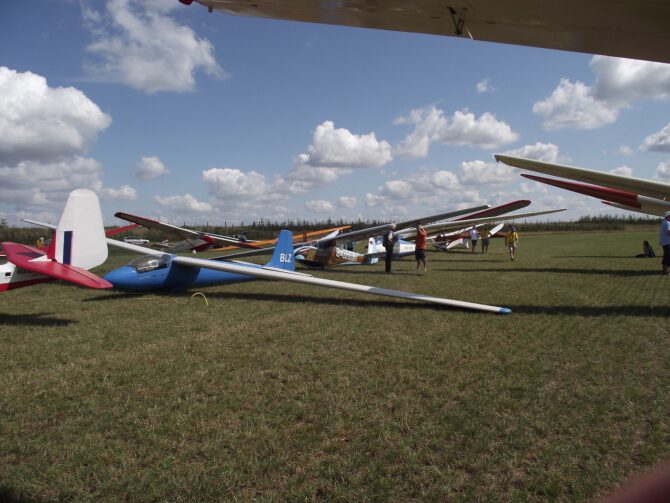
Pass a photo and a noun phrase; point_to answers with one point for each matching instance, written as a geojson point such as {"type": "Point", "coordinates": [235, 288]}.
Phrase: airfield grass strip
{"type": "Point", "coordinates": [282, 392]}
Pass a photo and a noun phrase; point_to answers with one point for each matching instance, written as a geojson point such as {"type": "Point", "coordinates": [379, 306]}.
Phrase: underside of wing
{"type": "Point", "coordinates": [635, 29]}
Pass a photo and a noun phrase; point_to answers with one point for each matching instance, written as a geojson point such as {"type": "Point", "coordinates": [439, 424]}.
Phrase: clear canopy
{"type": "Point", "coordinates": [150, 263]}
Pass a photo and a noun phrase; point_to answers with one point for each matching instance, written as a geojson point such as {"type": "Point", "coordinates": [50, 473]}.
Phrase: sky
{"type": "Point", "coordinates": [168, 111]}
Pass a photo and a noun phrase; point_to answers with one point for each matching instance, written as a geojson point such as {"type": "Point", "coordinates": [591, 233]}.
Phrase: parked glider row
{"type": "Point", "coordinates": [79, 243]}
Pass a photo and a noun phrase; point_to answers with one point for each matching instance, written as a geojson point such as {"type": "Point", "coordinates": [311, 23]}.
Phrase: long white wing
{"type": "Point", "coordinates": [641, 186]}
{"type": "Point", "coordinates": [274, 274]}
{"type": "Point", "coordinates": [460, 224]}
{"type": "Point", "coordinates": [380, 229]}
{"type": "Point", "coordinates": [635, 29]}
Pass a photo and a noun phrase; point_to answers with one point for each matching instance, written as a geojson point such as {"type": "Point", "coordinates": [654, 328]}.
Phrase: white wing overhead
{"type": "Point", "coordinates": [635, 29]}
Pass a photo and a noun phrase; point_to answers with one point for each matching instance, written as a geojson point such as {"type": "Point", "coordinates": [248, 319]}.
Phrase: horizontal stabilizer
{"type": "Point", "coordinates": [33, 260]}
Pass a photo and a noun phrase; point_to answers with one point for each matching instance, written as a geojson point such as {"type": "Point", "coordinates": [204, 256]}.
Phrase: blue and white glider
{"type": "Point", "coordinates": [160, 271]}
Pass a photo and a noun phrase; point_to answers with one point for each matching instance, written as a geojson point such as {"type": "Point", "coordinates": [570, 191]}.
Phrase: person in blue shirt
{"type": "Point", "coordinates": [664, 241]}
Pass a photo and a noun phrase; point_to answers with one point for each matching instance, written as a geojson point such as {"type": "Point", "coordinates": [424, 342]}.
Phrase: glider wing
{"type": "Point", "coordinates": [33, 260]}
{"type": "Point", "coordinates": [274, 274]}
{"type": "Point", "coordinates": [641, 186]}
{"type": "Point", "coordinates": [635, 29]}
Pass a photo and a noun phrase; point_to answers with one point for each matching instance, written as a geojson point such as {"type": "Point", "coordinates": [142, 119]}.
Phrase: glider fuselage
{"type": "Point", "coordinates": [151, 273]}
{"type": "Point", "coordinates": [12, 277]}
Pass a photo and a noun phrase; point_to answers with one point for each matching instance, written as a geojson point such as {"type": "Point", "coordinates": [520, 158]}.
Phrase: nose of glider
{"type": "Point", "coordinates": [125, 277]}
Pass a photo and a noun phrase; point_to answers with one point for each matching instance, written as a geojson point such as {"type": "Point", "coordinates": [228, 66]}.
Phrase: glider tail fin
{"type": "Point", "coordinates": [370, 256]}
{"type": "Point", "coordinates": [282, 257]}
{"type": "Point", "coordinates": [80, 235]}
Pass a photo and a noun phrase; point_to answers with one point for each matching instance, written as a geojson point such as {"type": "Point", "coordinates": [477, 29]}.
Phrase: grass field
{"type": "Point", "coordinates": [276, 391]}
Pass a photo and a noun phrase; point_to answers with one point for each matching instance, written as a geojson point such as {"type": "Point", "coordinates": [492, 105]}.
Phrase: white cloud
{"type": "Point", "coordinates": [42, 122]}
{"type": "Point", "coordinates": [43, 132]}
{"type": "Point", "coordinates": [398, 189]}
{"type": "Point", "coordinates": [339, 148]}
{"type": "Point", "coordinates": [619, 83]}
{"type": "Point", "coordinates": [484, 86]}
{"type": "Point", "coordinates": [623, 171]}
{"type": "Point", "coordinates": [486, 173]}
{"type": "Point", "coordinates": [140, 45]}
{"type": "Point", "coordinates": [659, 142]}
{"type": "Point", "coordinates": [319, 206]}
{"type": "Point", "coordinates": [463, 128]}
{"type": "Point", "coordinates": [625, 150]}
{"type": "Point", "coordinates": [663, 170]}
{"type": "Point", "coordinates": [625, 81]}
{"type": "Point", "coordinates": [372, 200]}
{"type": "Point", "coordinates": [547, 152]}
{"type": "Point", "coordinates": [572, 105]}
{"type": "Point", "coordinates": [302, 177]}
{"type": "Point", "coordinates": [184, 203]}
{"type": "Point", "coordinates": [149, 168]}
{"type": "Point", "coordinates": [346, 202]}
{"type": "Point", "coordinates": [40, 183]}
{"type": "Point", "coordinates": [233, 184]}
{"type": "Point", "coordinates": [123, 193]}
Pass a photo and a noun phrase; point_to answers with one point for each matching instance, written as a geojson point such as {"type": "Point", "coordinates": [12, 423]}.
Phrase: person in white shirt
{"type": "Point", "coordinates": [474, 235]}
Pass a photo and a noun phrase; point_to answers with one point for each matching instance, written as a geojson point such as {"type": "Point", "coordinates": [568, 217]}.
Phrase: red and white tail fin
{"type": "Point", "coordinates": [80, 235]}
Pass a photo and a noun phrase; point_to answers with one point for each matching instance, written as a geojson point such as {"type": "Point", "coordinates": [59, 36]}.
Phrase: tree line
{"type": "Point", "coordinates": [266, 229]}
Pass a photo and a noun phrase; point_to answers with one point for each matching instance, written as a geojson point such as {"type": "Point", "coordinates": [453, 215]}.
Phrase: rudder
{"type": "Point", "coordinates": [282, 257]}
{"type": "Point", "coordinates": [80, 236]}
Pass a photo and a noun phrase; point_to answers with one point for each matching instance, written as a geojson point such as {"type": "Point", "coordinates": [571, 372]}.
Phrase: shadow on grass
{"type": "Point", "coordinates": [553, 270]}
{"type": "Point", "coordinates": [118, 295]}
{"type": "Point", "coordinates": [597, 256]}
{"type": "Point", "coordinates": [35, 320]}
{"type": "Point", "coordinates": [355, 301]}
{"type": "Point", "coordinates": [8, 495]}
{"type": "Point", "coordinates": [637, 311]}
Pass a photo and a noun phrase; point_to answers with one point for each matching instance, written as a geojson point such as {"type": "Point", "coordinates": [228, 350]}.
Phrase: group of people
{"type": "Point", "coordinates": [511, 240]}
{"type": "Point", "coordinates": [419, 247]}
{"type": "Point", "coordinates": [389, 239]}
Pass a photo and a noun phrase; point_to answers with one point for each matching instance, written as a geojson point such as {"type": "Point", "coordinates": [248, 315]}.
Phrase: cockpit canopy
{"type": "Point", "coordinates": [150, 263]}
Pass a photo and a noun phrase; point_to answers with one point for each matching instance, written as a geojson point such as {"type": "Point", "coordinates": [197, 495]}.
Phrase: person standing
{"type": "Point", "coordinates": [664, 241]}
{"type": "Point", "coordinates": [486, 235]}
{"type": "Point", "coordinates": [474, 236]}
{"type": "Point", "coordinates": [511, 241]}
{"type": "Point", "coordinates": [420, 247]}
{"type": "Point", "coordinates": [389, 243]}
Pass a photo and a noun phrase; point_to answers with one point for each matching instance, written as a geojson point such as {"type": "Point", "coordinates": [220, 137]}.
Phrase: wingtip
{"type": "Point", "coordinates": [505, 310]}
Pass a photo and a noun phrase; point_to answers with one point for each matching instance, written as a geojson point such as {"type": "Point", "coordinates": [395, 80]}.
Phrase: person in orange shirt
{"type": "Point", "coordinates": [420, 247]}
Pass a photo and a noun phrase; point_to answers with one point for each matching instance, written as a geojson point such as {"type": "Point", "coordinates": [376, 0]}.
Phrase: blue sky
{"type": "Point", "coordinates": [168, 111]}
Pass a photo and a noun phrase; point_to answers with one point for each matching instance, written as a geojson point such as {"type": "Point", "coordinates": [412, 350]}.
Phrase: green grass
{"type": "Point", "coordinates": [288, 392]}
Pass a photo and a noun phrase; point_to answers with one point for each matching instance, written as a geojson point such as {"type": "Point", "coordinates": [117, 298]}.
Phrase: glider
{"type": "Point", "coordinates": [298, 238]}
{"type": "Point", "coordinates": [191, 240]}
{"type": "Point", "coordinates": [160, 271]}
{"type": "Point", "coordinates": [404, 246]}
{"type": "Point", "coordinates": [473, 222]}
{"type": "Point", "coordinates": [78, 245]}
{"type": "Point", "coordinates": [461, 237]}
{"type": "Point", "coordinates": [328, 252]}
{"type": "Point", "coordinates": [634, 194]}
{"type": "Point", "coordinates": [636, 29]}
